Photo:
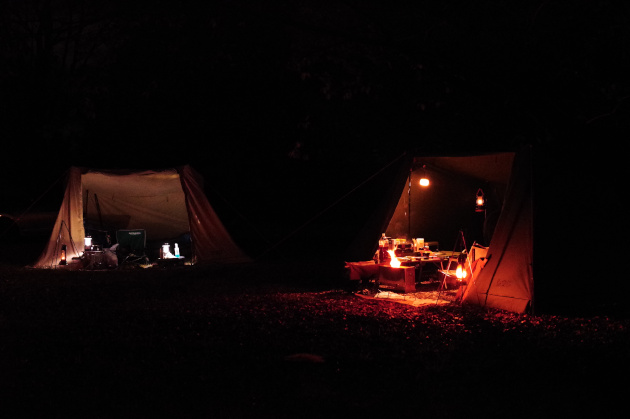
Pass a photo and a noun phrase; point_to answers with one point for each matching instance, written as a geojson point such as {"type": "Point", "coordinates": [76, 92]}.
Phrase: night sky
{"type": "Point", "coordinates": [286, 106]}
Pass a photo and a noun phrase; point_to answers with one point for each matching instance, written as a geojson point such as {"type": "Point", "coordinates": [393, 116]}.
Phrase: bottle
{"type": "Point", "coordinates": [176, 250]}
{"type": "Point", "coordinates": [383, 247]}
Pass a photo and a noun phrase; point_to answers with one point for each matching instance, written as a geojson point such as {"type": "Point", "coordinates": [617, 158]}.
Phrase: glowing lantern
{"type": "Point", "coordinates": [394, 263]}
{"type": "Point", "coordinates": [480, 202]}
{"type": "Point", "coordinates": [424, 180]}
{"type": "Point", "coordinates": [62, 260]}
{"type": "Point", "coordinates": [460, 272]}
{"type": "Point", "coordinates": [88, 243]}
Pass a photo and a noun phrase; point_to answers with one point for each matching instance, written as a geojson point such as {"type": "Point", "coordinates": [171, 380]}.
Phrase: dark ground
{"type": "Point", "coordinates": [287, 340]}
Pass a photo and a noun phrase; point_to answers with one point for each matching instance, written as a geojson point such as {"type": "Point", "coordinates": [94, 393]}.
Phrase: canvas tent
{"type": "Point", "coordinates": [507, 279]}
{"type": "Point", "coordinates": [446, 208]}
{"type": "Point", "coordinates": [168, 204]}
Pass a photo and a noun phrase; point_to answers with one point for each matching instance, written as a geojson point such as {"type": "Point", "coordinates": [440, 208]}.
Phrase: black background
{"type": "Point", "coordinates": [287, 107]}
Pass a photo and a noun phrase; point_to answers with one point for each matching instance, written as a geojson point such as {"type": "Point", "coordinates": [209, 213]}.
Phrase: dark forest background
{"type": "Point", "coordinates": [287, 107]}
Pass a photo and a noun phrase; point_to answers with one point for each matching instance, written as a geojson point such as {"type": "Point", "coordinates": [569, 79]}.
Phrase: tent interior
{"type": "Point", "coordinates": [439, 211]}
{"type": "Point", "coordinates": [107, 207]}
{"type": "Point", "coordinates": [166, 206]}
{"type": "Point", "coordinates": [447, 219]}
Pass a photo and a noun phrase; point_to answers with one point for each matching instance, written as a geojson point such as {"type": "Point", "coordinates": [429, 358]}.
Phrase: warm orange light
{"type": "Point", "coordinates": [394, 262]}
{"type": "Point", "coordinates": [424, 180]}
{"type": "Point", "coordinates": [480, 201]}
{"type": "Point", "coordinates": [63, 255]}
{"type": "Point", "coordinates": [460, 272]}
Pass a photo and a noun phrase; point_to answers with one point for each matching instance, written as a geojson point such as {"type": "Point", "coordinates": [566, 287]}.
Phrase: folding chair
{"type": "Point", "coordinates": [132, 246]}
{"type": "Point", "coordinates": [472, 261]}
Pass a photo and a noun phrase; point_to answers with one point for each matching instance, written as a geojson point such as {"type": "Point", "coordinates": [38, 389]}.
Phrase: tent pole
{"type": "Point", "coordinates": [54, 255]}
{"type": "Point", "coordinates": [460, 236]}
{"type": "Point", "coordinates": [531, 221]}
{"type": "Point", "coordinates": [98, 208]}
{"type": "Point", "coordinates": [85, 203]}
{"type": "Point", "coordinates": [409, 207]}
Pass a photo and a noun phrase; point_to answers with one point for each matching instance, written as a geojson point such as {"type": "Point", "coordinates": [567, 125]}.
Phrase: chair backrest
{"type": "Point", "coordinates": [135, 241]}
{"type": "Point", "coordinates": [478, 251]}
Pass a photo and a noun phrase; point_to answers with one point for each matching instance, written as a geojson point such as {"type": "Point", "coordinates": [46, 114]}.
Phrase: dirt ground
{"type": "Point", "coordinates": [286, 340]}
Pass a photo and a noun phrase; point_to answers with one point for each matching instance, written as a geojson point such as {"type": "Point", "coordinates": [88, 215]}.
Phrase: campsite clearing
{"type": "Point", "coordinates": [288, 340]}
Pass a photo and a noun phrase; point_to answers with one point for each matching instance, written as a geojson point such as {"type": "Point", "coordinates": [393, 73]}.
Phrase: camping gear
{"type": "Point", "coordinates": [167, 204]}
{"type": "Point", "coordinates": [383, 247]}
{"type": "Point", "coordinates": [62, 258]}
{"type": "Point", "coordinates": [131, 246]}
{"type": "Point", "coordinates": [166, 251]}
{"type": "Point", "coordinates": [506, 225]}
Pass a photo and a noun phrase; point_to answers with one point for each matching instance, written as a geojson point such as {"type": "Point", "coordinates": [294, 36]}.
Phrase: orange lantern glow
{"type": "Point", "coordinates": [424, 180]}
{"type": "Point", "coordinates": [63, 255]}
{"type": "Point", "coordinates": [460, 272]}
{"type": "Point", "coordinates": [480, 202]}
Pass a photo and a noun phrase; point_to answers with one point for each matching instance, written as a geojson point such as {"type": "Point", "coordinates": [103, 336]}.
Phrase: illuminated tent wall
{"type": "Point", "coordinates": [507, 280]}
{"type": "Point", "coordinates": [167, 204]}
{"type": "Point", "coordinates": [440, 211]}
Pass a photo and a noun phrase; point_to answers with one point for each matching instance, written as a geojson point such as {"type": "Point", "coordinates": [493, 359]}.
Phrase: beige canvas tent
{"type": "Point", "coordinates": [167, 204]}
{"type": "Point", "coordinates": [507, 280]}
{"type": "Point", "coordinates": [440, 212]}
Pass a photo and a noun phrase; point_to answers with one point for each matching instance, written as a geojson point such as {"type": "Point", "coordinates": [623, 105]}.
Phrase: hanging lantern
{"type": "Point", "coordinates": [480, 201]}
{"type": "Point", "coordinates": [62, 260]}
{"type": "Point", "coordinates": [424, 180]}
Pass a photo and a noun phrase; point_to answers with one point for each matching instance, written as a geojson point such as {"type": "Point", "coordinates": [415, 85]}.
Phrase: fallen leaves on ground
{"type": "Point", "coordinates": [215, 344]}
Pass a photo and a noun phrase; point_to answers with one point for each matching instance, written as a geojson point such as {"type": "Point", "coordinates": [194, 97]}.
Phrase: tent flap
{"type": "Point", "coordinates": [68, 229]}
{"type": "Point", "coordinates": [507, 276]}
{"type": "Point", "coordinates": [211, 240]}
